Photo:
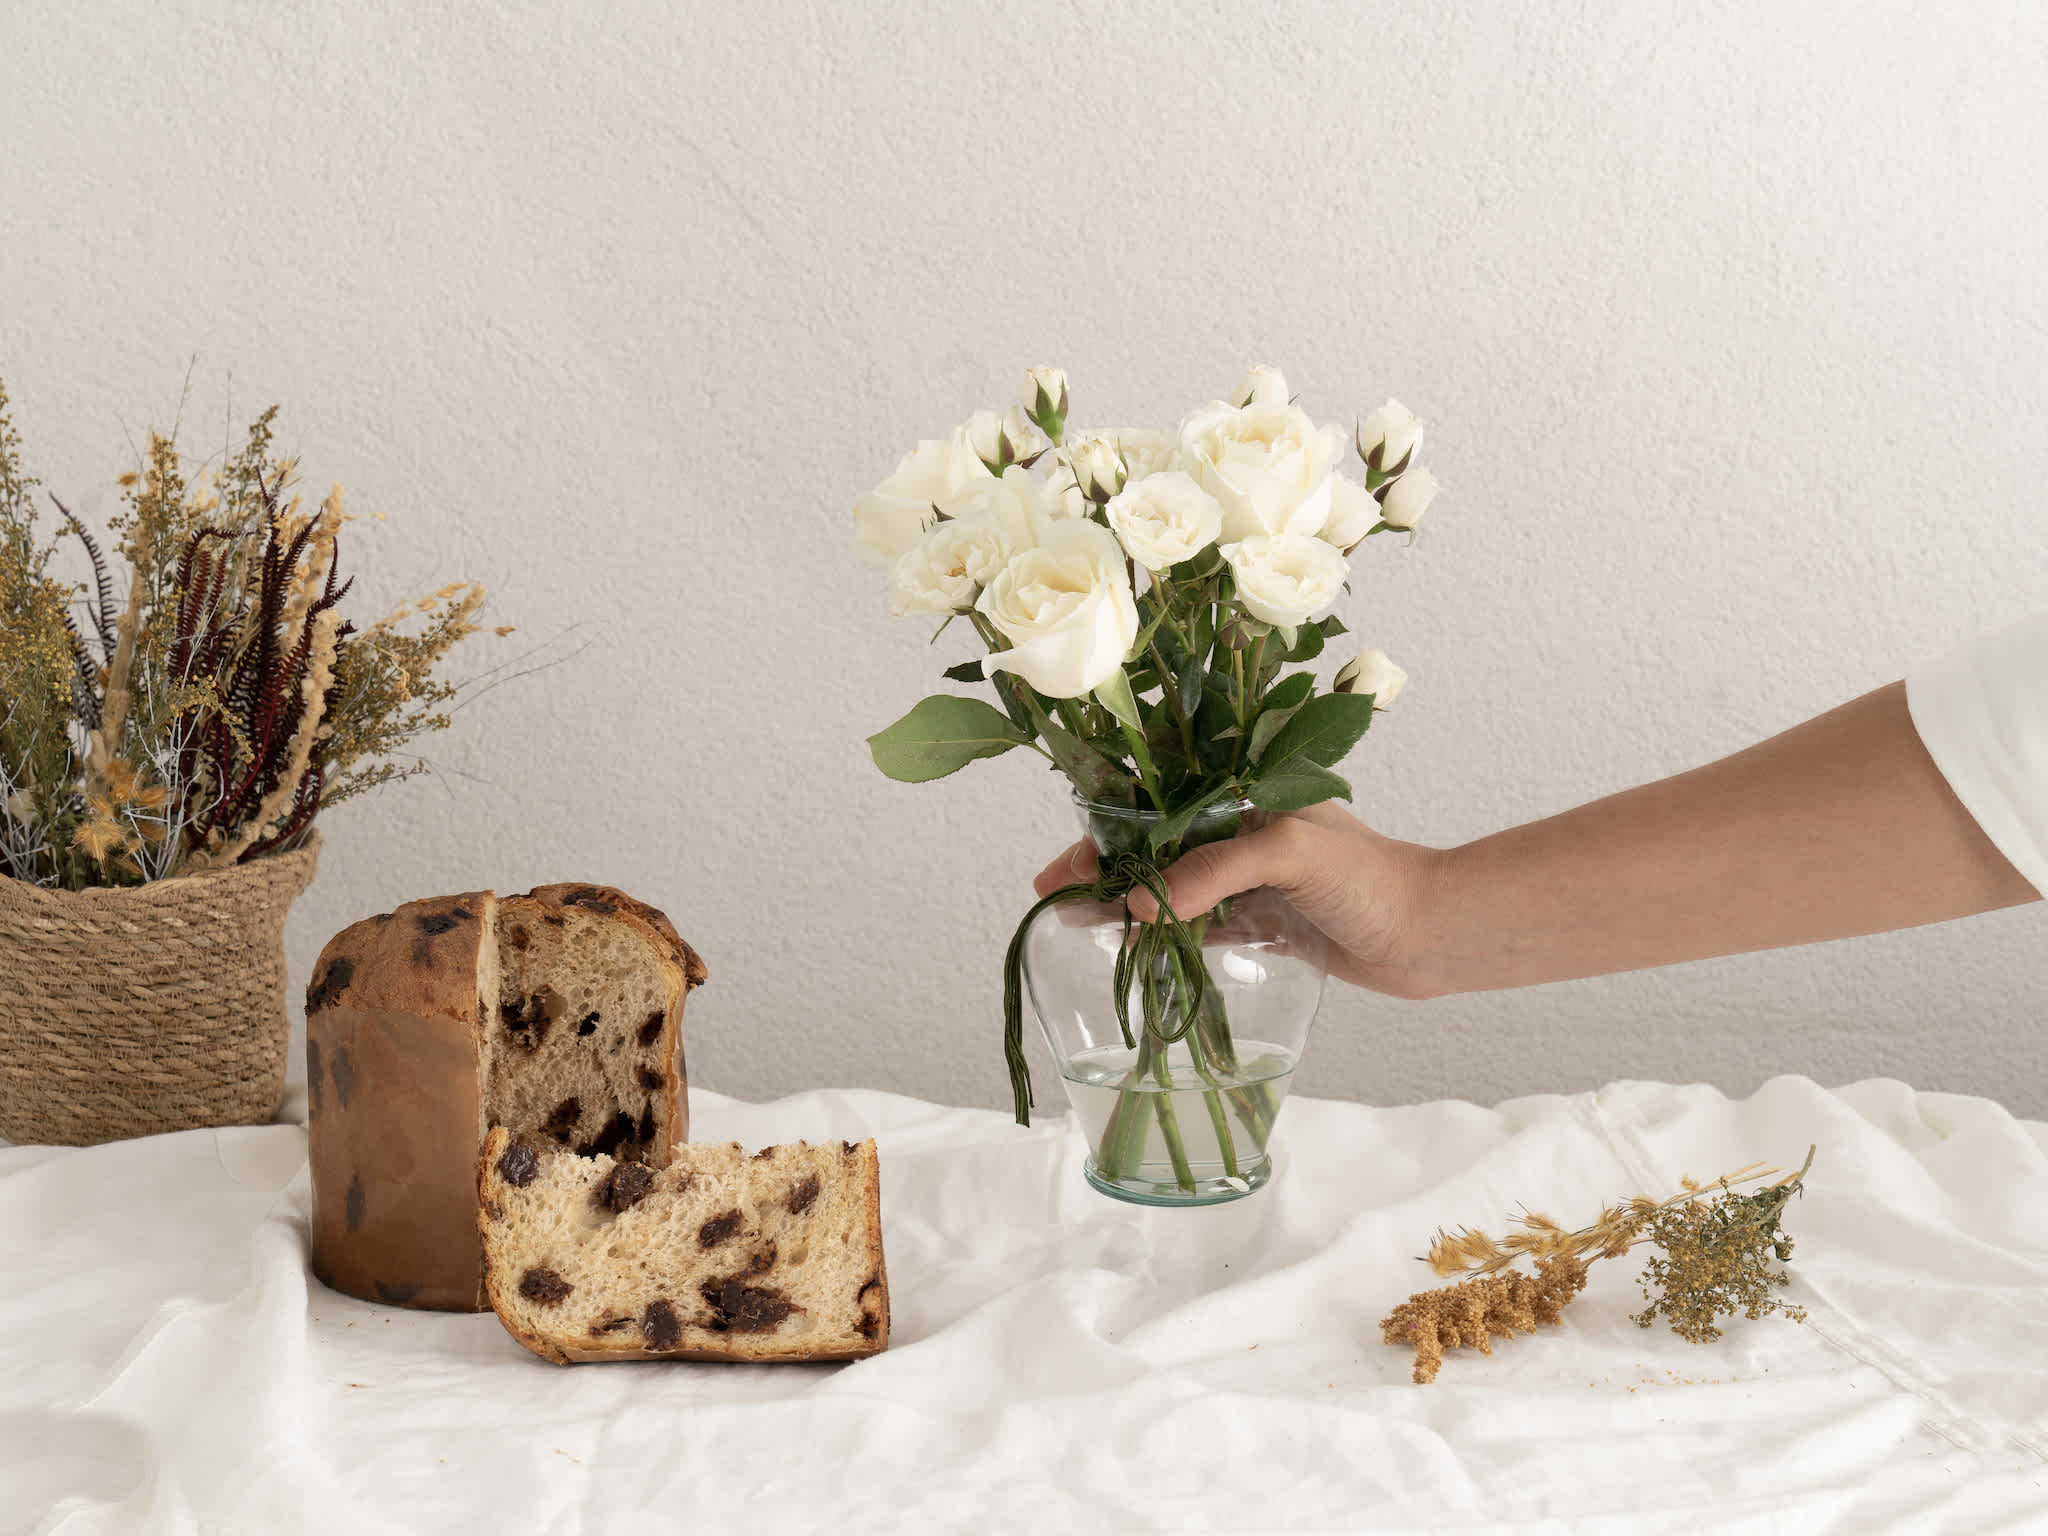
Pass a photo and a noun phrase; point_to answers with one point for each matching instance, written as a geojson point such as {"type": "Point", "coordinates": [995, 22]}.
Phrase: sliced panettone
{"type": "Point", "coordinates": [722, 1255]}
{"type": "Point", "coordinates": [557, 1013]}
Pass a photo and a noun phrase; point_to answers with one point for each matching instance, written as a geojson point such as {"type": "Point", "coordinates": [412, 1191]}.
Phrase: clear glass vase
{"type": "Point", "coordinates": [1182, 1113]}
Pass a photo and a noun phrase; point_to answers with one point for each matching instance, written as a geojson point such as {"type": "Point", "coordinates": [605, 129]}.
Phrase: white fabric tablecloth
{"type": "Point", "coordinates": [1064, 1363]}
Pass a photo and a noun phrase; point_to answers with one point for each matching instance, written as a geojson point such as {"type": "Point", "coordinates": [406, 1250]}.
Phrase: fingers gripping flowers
{"type": "Point", "coordinates": [1140, 594]}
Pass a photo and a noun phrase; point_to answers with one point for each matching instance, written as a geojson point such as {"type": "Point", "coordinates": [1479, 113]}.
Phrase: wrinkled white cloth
{"type": "Point", "coordinates": [1982, 713]}
{"type": "Point", "coordinates": [1062, 1362]}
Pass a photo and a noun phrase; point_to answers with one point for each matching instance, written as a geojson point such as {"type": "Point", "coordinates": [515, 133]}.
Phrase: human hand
{"type": "Point", "coordinates": [1364, 891]}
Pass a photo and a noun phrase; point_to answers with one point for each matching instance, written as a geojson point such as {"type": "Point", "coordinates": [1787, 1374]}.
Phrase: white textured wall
{"type": "Point", "coordinates": [1730, 322]}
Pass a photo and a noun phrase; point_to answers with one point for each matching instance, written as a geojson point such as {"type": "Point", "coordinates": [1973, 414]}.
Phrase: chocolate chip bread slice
{"type": "Point", "coordinates": [723, 1255]}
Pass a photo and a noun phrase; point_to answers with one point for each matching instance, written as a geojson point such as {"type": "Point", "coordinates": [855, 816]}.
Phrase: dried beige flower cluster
{"type": "Point", "coordinates": [1714, 1260]}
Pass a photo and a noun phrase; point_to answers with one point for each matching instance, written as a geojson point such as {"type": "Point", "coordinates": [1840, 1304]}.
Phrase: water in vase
{"type": "Point", "coordinates": [1166, 1130]}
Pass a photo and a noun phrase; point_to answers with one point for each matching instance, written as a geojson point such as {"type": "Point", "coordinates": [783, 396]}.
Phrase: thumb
{"type": "Point", "coordinates": [1077, 864]}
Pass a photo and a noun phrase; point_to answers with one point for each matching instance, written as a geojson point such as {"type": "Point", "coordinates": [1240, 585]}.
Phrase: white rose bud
{"type": "Point", "coordinates": [1370, 672]}
{"type": "Point", "coordinates": [1066, 609]}
{"type": "Point", "coordinates": [1268, 465]}
{"type": "Point", "coordinates": [888, 520]}
{"type": "Point", "coordinates": [1000, 439]}
{"type": "Point", "coordinates": [1409, 497]}
{"type": "Point", "coordinates": [1043, 397]}
{"type": "Point", "coordinates": [1286, 579]}
{"type": "Point", "coordinates": [1164, 519]}
{"type": "Point", "coordinates": [1392, 433]}
{"type": "Point", "coordinates": [1097, 466]}
{"type": "Point", "coordinates": [946, 569]}
{"type": "Point", "coordinates": [1261, 386]}
{"type": "Point", "coordinates": [1353, 512]}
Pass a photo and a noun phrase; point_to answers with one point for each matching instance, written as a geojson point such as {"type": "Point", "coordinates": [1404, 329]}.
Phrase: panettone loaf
{"type": "Point", "coordinates": [557, 1013]}
{"type": "Point", "coordinates": [723, 1255]}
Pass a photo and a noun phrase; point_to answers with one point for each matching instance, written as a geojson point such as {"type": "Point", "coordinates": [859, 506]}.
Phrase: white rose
{"type": "Point", "coordinates": [1409, 497]}
{"type": "Point", "coordinates": [1286, 579]}
{"type": "Point", "coordinates": [1097, 465]}
{"type": "Point", "coordinates": [888, 520]}
{"type": "Point", "coordinates": [1370, 672]}
{"type": "Point", "coordinates": [1145, 452]}
{"type": "Point", "coordinates": [952, 561]}
{"type": "Point", "coordinates": [1269, 466]}
{"type": "Point", "coordinates": [1015, 501]}
{"type": "Point", "coordinates": [1261, 386]}
{"type": "Point", "coordinates": [1059, 496]}
{"type": "Point", "coordinates": [1043, 393]}
{"type": "Point", "coordinates": [1393, 433]}
{"type": "Point", "coordinates": [1353, 512]}
{"type": "Point", "coordinates": [1164, 519]}
{"type": "Point", "coordinates": [1000, 438]}
{"type": "Point", "coordinates": [1066, 609]}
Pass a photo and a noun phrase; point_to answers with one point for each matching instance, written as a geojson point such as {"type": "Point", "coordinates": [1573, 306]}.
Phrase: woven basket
{"type": "Point", "coordinates": [159, 1007]}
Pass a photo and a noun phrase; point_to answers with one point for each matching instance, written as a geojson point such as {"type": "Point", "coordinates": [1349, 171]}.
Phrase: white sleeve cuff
{"type": "Point", "coordinates": [1982, 713]}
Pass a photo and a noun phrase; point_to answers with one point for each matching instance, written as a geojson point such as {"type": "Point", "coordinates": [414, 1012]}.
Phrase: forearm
{"type": "Point", "coordinates": [1840, 826]}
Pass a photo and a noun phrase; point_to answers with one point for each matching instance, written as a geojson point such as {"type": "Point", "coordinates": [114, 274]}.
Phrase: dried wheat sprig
{"type": "Point", "coordinates": [106, 738]}
{"type": "Point", "coordinates": [317, 570]}
{"type": "Point", "coordinates": [101, 608]}
{"type": "Point", "coordinates": [1614, 1232]}
{"type": "Point", "coordinates": [271, 812]}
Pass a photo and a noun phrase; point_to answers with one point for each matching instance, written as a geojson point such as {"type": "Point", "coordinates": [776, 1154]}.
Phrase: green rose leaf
{"type": "Point", "coordinates": [1095, 774]}
{"type": "Point", "coordinates": [942, 735]}
{"type": "Point", "coordinates": [1291, 694]}
{"type": "Point", "coordinates": [1194, 672]}
{"type": "Point", "coordinates": [1018, 702]}
{"type": "Point", "coordinates": [1115, 696]}
{"type": "Point", "coordinates": [1282, 704]}
{"type": "Point", "coordinates": [1308, 643]}
{"type": "Point", "coordinates": [1323, 729]}
{"type": "Point", "coordinates": [1295, 784]}
{"type": "Point", "coordinates": [1169, 827]}
{"type": "Point", "coordinates": [966, 672]}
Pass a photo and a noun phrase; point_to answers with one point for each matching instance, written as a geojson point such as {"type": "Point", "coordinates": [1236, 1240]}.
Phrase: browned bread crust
{"type": "Point", "coordinates": [393, 1022]}
{"type": "Point", "coordinates": [420, 959]}
{"type": "Point", "coordinates": [603, 898]}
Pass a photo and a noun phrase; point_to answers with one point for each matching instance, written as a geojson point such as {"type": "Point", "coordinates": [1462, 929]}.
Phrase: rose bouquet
{"type": "Point", "coordinates": [1142, 596]}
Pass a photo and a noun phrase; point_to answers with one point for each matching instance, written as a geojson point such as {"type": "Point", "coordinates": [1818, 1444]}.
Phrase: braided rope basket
{"type": "Point", "coordinates": [140, 1009]}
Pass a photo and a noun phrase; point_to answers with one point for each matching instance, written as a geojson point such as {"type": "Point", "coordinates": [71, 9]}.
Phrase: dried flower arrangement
{"type": "Point", "coordinates": [1715, 1259]}
{"type": "Point", "coordinates": [223, 704]}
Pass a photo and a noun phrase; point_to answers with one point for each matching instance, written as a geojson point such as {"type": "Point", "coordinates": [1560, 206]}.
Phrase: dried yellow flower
{"type": "Point", "coordinates": [1475, 1312]}
{"type": "Point", "coordinates": [1714, 1261]}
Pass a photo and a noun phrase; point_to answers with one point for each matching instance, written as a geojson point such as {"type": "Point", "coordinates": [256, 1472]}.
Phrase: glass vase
{"type": "Point", "coordinates": [1181, 1110]}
